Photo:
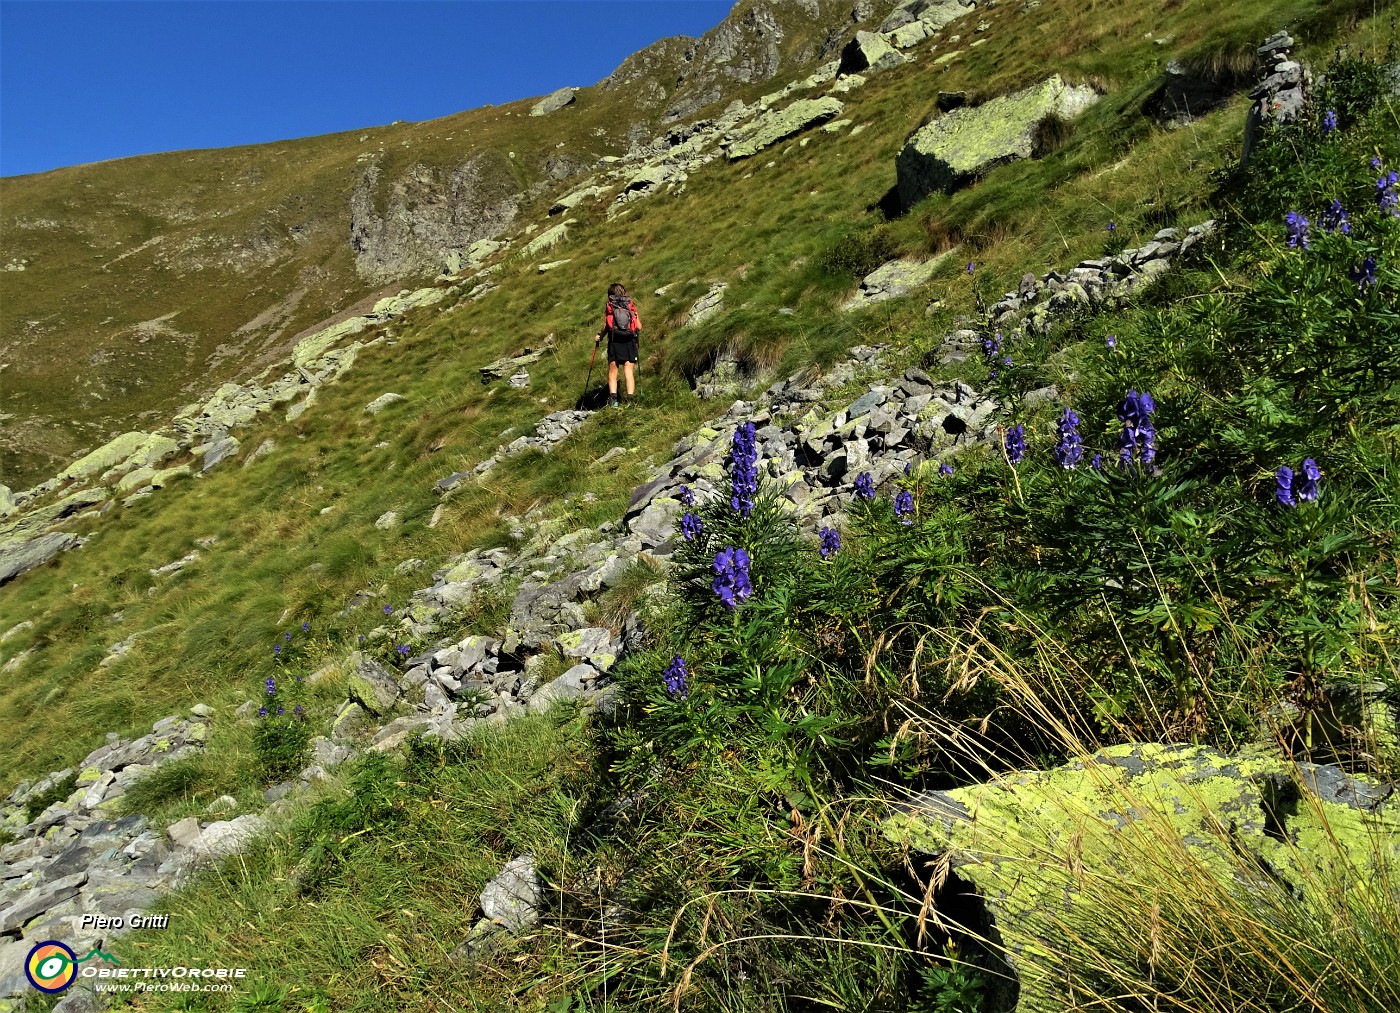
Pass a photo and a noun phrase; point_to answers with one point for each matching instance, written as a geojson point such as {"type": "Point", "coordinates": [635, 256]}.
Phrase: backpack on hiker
{"type": "Point", "coordinates": [622, 321]}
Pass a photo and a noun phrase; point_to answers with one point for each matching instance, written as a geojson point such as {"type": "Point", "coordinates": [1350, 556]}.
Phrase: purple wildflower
{"type": "Point", "coordinates": [904, 506]}
{"type": "Point", "coordinates": [1297, 230]}
{"type": "Point", "coordinates": [262, 712]}
{"type": "Point", "coordinates": [388, 610]}
{"type": "Point", "coordinates": [991, 347]}
{"type": "Point", "coordinates": [1096, 462]}
{"type": "Point", "coordinates": [1139, 435]}
{"type": "Point", "coordinates": [276, 648]}
{"type": "Point", "coordinates": [1283, 478]}
{"type": "Point", "coordinates": [404, 650]}
{"type": "Point", "coordinates": [732, 576]}
{"type": "Point", "coordinates": [1329, 122]}
{"type": "Point", "coordinates": [281, 710]}
{"type": "Point", "coordinates": [687, 496]}
{"type": "Point", "coordinates": [675, 676]}
{"type": "Point", "coordinates": [971, 266]}
{"type": "Point", "coordinates": [306, 627]}
{"type": "Point", "coordinates": [271, 686]}
{"type": "Point", "coordinates": [908, 467]}
{"type": "Point", "coordinates": [1364, 274]}
{"type": "Point", "coordinates": [1335, 219]}
{"type": "Point", "coordinates": [743, 470]}
{"type": "Point", "coordinates": [946, 470]}
{"type": "Point", "coordinates": [1015, 444]}
{"type": "Point", "coordinates": [865, 485]}
{"type": "Point", "coordinates": [1111, 341]}
{"type": "Point", "coordinates": [831, 542]}
{"type": "Point", "coordinates": [1070, 447]}
{"type": "Point", "coordinates": [691, 526]}
{"type": "Point", "coordinates": [1306, 487]}
{"type": "Point", "coordinates": [362, 638]}
{"type": "Point", "coordinates": [1387, 199]}
{"type": "Point", "coordinates": [299, 710]}
{"type": "Point", "coordinates": [1111, 228]}
{"type": "Point", "coordinates": [287, 636]}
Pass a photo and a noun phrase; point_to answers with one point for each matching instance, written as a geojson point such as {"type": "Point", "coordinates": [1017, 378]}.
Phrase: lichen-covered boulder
{"type": "Point", "coordinates": [552, 102]}
{"type": "Point", "coordinates": [1045, 848]}
{"type": "Point", "coordinates": [548, 239]}
{"type": "Point", "coordinates": [895, 279]}
{"type": "Point", "coordinates": [21, 557]}
{"type": "Point", "coordinates": [136, 449]}
{"type": "Point", "coordinates": [966, 142]}
{"type": "Point", "coordinates": [779, 124]}
{"type": "Point", "coordinates": [871, 53]}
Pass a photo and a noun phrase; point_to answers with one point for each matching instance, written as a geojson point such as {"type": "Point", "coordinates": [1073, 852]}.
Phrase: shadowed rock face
{"type": "Point", "coordinates": [428, 212]}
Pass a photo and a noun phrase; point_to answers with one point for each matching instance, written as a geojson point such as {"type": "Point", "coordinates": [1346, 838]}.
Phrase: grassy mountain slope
{"type": "Point", "coordinates": [152, 279]}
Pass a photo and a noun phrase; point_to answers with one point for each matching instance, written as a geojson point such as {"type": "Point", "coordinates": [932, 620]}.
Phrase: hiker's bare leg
{"type": "Point", "coordinates": [631, 380]}
{"type": "Point", "coordinates": [612, 379]}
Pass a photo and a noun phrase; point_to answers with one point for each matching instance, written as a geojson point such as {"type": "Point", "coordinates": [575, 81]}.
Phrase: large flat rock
{"type": "Point", "coordinates": [961, 145]}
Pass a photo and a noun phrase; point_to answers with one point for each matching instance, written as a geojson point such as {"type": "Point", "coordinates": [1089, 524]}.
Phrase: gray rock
{"type": "Point", "coordinates": [184, 832]}
{"type": "Point", "coordinates": [371, 685]}
{"type": "Point", "coordinates": [552, 102]}
{"type": "Point", "coordinates": [707, 305]}
{"type": "Point", "coordinates": [219, 840]}
{"type": "Point", "coordinates": [21, 557]}
{"type": "Point", "coordinates": [968, 141]}
{"type": "Point", "coordinates": [219, 450]}
{"type": "Point", "coordinates": [386, 520]}
{"type": "Point", "coordinates": [869, 52]}
{"type": "Point", "coordinates": [779, 124]}
{"type": "Point", "coordinates": [31, 903]}
{"type": "Point", "coordinates": [381, 402]}
{"type": "Point", "coordinates": [513, 897]}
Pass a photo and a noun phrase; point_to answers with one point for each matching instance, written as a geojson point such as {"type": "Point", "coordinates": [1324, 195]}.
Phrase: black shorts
{"type": "Point", "coordinates": [622, 351]}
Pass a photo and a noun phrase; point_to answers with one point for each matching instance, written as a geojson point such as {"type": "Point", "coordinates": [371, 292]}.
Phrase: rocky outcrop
{"type": "Point", "coordinates": [1041, 846]}
{"type": "Point", "coordinates": [130, 450]}
{"type": "Point", "coordinates": [709, 304]}
{"type": "Point", "coordinates": [509, 365]}
{"type": "Point", "coordinates": [1282, 95]}
{"type": "Point", "coordinates": [779, 124]}
{"type": "Point", "coordinates": [870, 53]}
{"type": "Point", "coordinates": [21, 557]}
{"type": "Point", "coordinates": [896, 278]}
{"type": "Point", "coordinates": [428, 212]}
{"type": "Point", "coordinates": [960, 145]}
{"type": "Point", "coordinates": [552, 102]}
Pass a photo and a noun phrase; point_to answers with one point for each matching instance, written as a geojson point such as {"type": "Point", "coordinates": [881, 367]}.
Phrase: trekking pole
{"type": "Point", "coordinates": [587, 383]}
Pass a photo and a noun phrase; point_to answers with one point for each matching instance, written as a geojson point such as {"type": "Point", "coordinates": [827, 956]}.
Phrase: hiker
{"type": "Point", "coordinates": [622, 327]}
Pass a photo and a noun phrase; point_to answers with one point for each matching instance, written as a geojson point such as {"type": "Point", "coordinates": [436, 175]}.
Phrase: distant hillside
{"type": "Point", "coordinates": [149, 280]}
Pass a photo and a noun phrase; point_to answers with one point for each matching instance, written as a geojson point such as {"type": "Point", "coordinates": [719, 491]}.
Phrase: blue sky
{"type": "Point", "coordinates": [88, 80]}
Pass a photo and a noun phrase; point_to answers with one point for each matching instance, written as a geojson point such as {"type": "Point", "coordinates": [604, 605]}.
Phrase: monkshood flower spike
{"type": "Point", "coordinates": [1297, 230]}
{"type": "Point", "coordinates": [731, 581]}
{"type": "Point", "coordinates": [1139, 438]}
{"type": "Point", "coordinates": [1294, 487]}
{"type": "Point", "coordinates": [271, 686]}
{"type": "Point", "coordinates": [743, 470]}
{"type": "Point", "coordinates": [904, 506]}
{"type": "Point", "coordinates": [1329, 122]}
{"type": "Point", "coordinates": [1015, 444]}
{"type": "Point", "coordinates": [675, 677]}
{"type": "Point", "coordinates": [1070, 447]}
{"type": "Point", "coordinates": [946, 470]}
{"type": "Point", "coordinates": [865, 485]}
{"type": "Point", "coordinates": [1387, 196]}
{"type": "Point", "coordinates": [1335, 219]}
{"type": "Point", "coordinates": [691, 526]}
{"type": "Point", "coordinates": [830, 542]}
{"type": "Point", "coordinates": [687, 496]}
{"type": "Point", "coordinates": [1364, 274]}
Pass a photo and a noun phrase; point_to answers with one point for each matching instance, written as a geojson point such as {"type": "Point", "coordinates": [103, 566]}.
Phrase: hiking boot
{"type": "Point", "coordinates": [616, 403]}
{"type": "Point", "coordinates": [630, 401]}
